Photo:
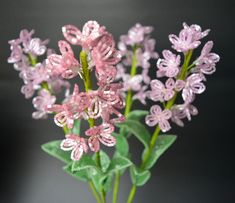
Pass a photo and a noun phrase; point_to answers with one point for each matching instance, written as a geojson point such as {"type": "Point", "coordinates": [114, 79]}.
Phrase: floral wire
{"type": "Point", "coordinates": [88, 86]}
{"type": "Point", "coordinates": [153, 140]}
{"type": "Point", "coordinates": [127, 110]}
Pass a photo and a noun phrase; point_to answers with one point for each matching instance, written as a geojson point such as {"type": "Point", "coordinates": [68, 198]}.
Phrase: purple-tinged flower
{"type": "Point", "coordinates": [169, 66]}
{"type": "Point", "coordinates": [75, 144]}
{"type": "Point", "coordinates": [89, 36]}
{"type": "Point", "coordinates": [161, 92]}
{"type": "Point", "coordinates": [41, 102]}
{"type": "Point", "coordinates": [189, 38]}
{"type": "Point", "coordinates": [36, 75]}
{"type": "Point", "coordinates": [136, 35]}
{"type": "Point", "coordinates": [101, 133]}
{"type": "Point", "coordinates": [65, 65]}
{"type": "Point", "coordinates": [207, 60]}
{"type": "Point", "coordinates": [193, 85]}
{"type": "Point", "coordinates": [35, 46]}
{"type": "Point", "coordinates": [16, 53]}
{"type": "Point", "coordinates": [182, 111]}
{"type": "Point", "coordinates": [157, 116]}
{"type": "Point", "coordinates": [28, 90]}
{"type": "Point", "coordinates": [132, 82]}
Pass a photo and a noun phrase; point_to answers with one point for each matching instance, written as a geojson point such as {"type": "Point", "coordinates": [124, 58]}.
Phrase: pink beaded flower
{"type": "Point", "coordinates": [169, 66]}
{"type": "Point", "coordinates": [75, 144]}
{"type": "Point", "coordinates": [193, 85]}
{"type": "Point", "coordinates": [41, 102]}
{"type": "Point", "coordinates": [73, 108]}
{"type": "Point", "coordinates": [207, 60]}
{"type": "Point", "coordinates": [65, 65]}
{"type": "Point", "coordinates": [101, 133]}
{"type": "Point", "coordinates": [159, 117]}
{"type": "Point", "coordinates": [161, 92]}
{"type": "Point", "coordinates": [89, 36]}
{"type": "Point", "coordinates": [189, 38]}
{"type": "Point", "coordinates": [182, 111]}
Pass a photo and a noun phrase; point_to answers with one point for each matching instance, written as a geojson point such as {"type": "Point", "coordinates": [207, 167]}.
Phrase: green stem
{"type": "Point", "coordinates": [88, 86]}
{"type": "Point", "coordinates": [127, 110]}
{"type": "Point", "coordinates": [116, 187]}
{"type": "Point", "coordinates": [170, 103]}
{"type": "Point", "coordinates": [94, 191]}
{"type": "Point", "coordinates": [132, 194]}
{"type": "Point", "coordinates": [32, 59]}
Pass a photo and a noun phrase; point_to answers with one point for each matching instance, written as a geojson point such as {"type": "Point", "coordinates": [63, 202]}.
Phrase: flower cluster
{"type": "Point", "coordinates": [36, 76]}
{"type": "Point", "coordinates": [180, 77]}
{"type": "Point", "coordinates": [137, 49]}
{"type": "Point", "coordinates": [99, 55]}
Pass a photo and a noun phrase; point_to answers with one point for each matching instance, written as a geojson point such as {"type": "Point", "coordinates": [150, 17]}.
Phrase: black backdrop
{"type": "Point", "coordinates": [200, 165]}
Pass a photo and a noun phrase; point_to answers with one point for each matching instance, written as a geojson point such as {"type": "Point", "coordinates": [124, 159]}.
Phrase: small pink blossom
{"type": "Point", "coordinates": [132, 82]}
{"type": "Point", "coordinates": [73, 108]}
{"type": "Point", "coordinates": [28, 90]}
{"type": "Point", "coordinates": [41, 102]}
{"type": "Point", "coordinates": [101, 133]}
{"type": "Point", "coordinates": [182, 111]}
{"type": "Point", "coordinates": [207, 60]}
{"type": "Point", "coordinates": [161, 92]}
{"type": "Point", "coordinates": [169, 66]}
{"type": "Point", "coordinates": [35, 46]}
{"type": "Point", "coordinates": [87, 38]}
{"type": "Point", "coordinates": [105, 53]}
{"type": "Point", "coordinates": [189, 38]}
{"type": "Point", "coordinates": [75, 144]}
{"type": "Point", "coordinates": [193, 85]}
{"type": "Point", "coordinates": [157, 116]}
{"type": "Point", "coordinates": [65, 65]}
{"type": "Point", "coordinates": [136, 34]}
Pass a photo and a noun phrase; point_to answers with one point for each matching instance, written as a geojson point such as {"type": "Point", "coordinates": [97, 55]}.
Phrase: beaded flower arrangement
{"type": "Point", "coordinates": [112, 80]}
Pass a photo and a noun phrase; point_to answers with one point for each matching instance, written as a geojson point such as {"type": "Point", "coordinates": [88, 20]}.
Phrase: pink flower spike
{"type": "Point", "coordinates": [75, 144]}
{"type": "Point", "coordinates": [157, 116]}
{"type": "Point", "coordinates": [101, 133]}
{"type": "Point", "coordinates": [169, 66]}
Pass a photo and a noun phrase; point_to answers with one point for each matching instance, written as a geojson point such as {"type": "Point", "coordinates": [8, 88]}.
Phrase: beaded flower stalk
{"type": "Point", "coordinates": [122, 76]}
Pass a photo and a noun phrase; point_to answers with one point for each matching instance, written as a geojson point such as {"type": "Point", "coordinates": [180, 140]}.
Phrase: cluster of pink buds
{"type": "Point", "coordinates": [180, 77]}
{"type": "Point", "coordinates": [101, 57]}
{"type": "Point", "coordinates": [36, 76]}
{"type": "Point", "coordinates": [137, 49]}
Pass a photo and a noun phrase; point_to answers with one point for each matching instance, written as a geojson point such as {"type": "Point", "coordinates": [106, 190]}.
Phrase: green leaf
{"type": "Point", "coordinates": [53, 149]}
{"type": "Point", "coordinates": [137, 115]}
{"type": "Point", "coordinates": [86, 163]}
{"type": "Point", "coordinates": [76, 127]}
{"type": "Point", "coordinates": [79, 175]}
{"type": "Point", "coordinates": [162, 144]}
{"type": "Point", "coordinates": [137, 129]}
{"type": "Point", "coordinates": [104, 160]}
{"type": "Point", "coordinates": [119, 163]}
{"type": "Point", "coordinates": [139, 177]}
{"type": "Point", "coordinates": [107, 183]}
{"type": "Point", "coordinates": [122, 145]}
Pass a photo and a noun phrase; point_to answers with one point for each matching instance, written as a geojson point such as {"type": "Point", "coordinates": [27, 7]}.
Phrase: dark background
{"type": "Point", "coordinates": [200, 165]}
